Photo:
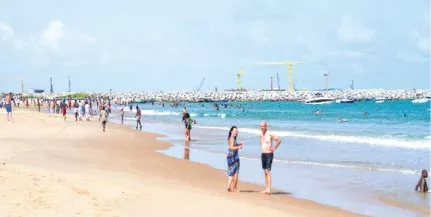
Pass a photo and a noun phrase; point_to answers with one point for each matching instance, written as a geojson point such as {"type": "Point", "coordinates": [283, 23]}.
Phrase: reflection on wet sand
{"type": "Point", "coordinates": [186, 150]}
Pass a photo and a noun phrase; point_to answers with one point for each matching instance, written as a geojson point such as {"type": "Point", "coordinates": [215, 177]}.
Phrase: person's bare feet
{"type": "Point", "coordinates": [236, 190]}
{"type": "Point", "coordinates": [266, 191]}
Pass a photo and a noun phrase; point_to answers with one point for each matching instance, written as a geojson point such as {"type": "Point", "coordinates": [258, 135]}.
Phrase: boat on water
{"type": "Point", "coordinates": [345, 101]}
{"type": "Point", "coordinates": [319, 100]}
{"type": "Point", "coordinates": [380, 99]}
{"type": "Point", "coordinates": [422, 100]}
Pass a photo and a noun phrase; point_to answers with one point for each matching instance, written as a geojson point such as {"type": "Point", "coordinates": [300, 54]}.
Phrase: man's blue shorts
{"type": "Point", "coordinates": [8, 108]}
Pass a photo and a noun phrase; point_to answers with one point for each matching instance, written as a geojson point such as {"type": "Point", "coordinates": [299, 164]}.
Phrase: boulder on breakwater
{"type": "Point", "coordinates": [212, 96]}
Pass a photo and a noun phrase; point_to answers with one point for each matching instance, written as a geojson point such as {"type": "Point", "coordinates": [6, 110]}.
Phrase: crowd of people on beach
{"type": "Point", "coordinates": [83, 110]}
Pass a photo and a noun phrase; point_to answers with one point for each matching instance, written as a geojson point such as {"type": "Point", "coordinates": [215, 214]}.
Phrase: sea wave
{"type": "Point", "coordinates": [156, 113]}
{"type": "Point", "coordinates": [341, 165]}
{"type": "Point", "coordinates": [420, 101]}
{"type": "Point", "coordinates": [159, 113]}
{"type": "Point", "coordinates": [221, 115]}
{"type": "Point", "coordinates": [382, 141]}
{"type": "Point", "coordinates": [331, 164]}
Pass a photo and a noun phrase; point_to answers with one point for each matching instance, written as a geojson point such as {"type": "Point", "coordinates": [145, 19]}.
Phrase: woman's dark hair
{"type": "Point", "coordinates": [186, 116]}
{"type": "Point", "coordinates": [230, 131]}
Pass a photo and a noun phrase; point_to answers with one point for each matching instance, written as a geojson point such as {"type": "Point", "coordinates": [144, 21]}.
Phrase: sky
{"type": "Point", "coordinates": [137, 45]}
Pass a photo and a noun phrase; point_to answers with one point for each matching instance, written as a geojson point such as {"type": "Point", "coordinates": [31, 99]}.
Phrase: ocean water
{"type": "Point", "coordinates": [369, 164]}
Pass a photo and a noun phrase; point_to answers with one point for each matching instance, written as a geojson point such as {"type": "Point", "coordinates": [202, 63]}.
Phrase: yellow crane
{"type": "Point", "coordinates": [290, 65]}
{"type": "Point", "coordinates": [241, 72]}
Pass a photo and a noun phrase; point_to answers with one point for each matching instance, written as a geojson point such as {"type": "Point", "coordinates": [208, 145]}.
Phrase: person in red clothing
{"type": "Point", "coordinates": [63, 107]}
{"type": "Point", "coordinates": [70, 103]}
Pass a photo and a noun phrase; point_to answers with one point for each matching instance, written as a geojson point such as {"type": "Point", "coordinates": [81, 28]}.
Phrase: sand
{"type": "Point", "coordinates": [53, 168]}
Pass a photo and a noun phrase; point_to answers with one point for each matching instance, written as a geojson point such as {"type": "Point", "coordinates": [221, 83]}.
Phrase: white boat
{"type": "Point", "coordinates": [380, 99]}
{"type": "Point", "coordinates": [319, 101]}
{"type": "Point", "coordinates": [345, 101]}
{"type": "Point", "coordinates": [423, 100]}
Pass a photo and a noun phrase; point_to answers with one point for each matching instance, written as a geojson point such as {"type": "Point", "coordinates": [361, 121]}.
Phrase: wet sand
{"type": "Point", "coordinates": [52, 168]}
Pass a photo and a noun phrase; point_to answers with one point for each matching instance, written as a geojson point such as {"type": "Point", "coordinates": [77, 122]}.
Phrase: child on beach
{"type": "Point", "coordinates": [104, 118]}
{"type": "Point", "coordinates": [422, 183]}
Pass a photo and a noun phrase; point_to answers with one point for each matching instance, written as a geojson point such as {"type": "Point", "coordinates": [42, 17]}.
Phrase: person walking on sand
{"type": "Point", "coordinates": [103, 117]}
{"type": "Point", "coordinates": [233, 160]}
{"type": "Point", "coordinates": [8, 107]}
{"type": "Point", "coordinates": [38, 104]}
{"type": "Point", "coordinates": [122, 114]}
{"type": "Point", "coordinates": [138, 118]}
{"type": "Point", "coordinates": [87, 111]}
{"type": "Point", "coordinates": [81, 111]}
{"type": "Point", "coordinates": [266, 140]}
{"type": "Point", "coordinates": [63, 107]}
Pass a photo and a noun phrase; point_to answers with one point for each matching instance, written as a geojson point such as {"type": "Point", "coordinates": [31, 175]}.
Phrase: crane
{"type": "Point", "coordinates": [241, 72]}
{"type": "Point", "coordinates": [200, 86]}
{"type": "Point", "coordinates": [290, 65]}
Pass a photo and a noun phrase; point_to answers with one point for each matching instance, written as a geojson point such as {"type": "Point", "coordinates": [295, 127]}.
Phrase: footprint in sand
{"type": "Point", "coordinates": [81, 191]}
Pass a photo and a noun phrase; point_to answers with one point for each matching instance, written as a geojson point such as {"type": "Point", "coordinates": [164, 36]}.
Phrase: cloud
{"type": "Point", "coordinates": [6, 32]}
{"type": "Point", "coordinates": [53, 34]}
{"type": "Point", "coordinates": [422, 42]}
{"type": "Point", "coordinates": [259, 32]}
{"type": "Point", "coordinates": [70, 64]}
{"type": "Point", "coordinates": [412, 57]}
{"type": "Point", "coordinates": [354, 32]}
{"type": "Point", "coordinates": [103, 58]}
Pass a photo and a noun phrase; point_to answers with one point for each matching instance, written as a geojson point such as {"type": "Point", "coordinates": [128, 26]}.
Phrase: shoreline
{"type": "Point", "coordinates": [207, 157]}
{"type": "Point", "coordinates": [366, 195]}
{"type": "Point", "coordinates": [146, 162]}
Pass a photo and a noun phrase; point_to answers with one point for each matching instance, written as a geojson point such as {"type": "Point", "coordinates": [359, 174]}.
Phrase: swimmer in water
{"type": "Point", "coordinates": [341, 120]}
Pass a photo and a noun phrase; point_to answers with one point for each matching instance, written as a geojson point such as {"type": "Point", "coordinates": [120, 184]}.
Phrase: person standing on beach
{"type": "Point", "coordinates": [103, 117]}
{"type": "Point", "coordinates": [266, 140]}
{"type": "Point", "coordinates": [122, 114]}
{"type": "Point", "coordinates": [187, 125]}
{"type": "Point", "coordinates": [38, 104]}
{"type": "Point", "coordinates": [87, 111]}
{"type": "Point", "coordinates": [81, 111]}
{"type": "Point", "coordinates": [138, 118]}
{"type": "Point", "coordinates": [8, 107]}
{"type": "Point", "coordinates": [63, 107]}
{"type": "Point", "coordinates": [233, 160]}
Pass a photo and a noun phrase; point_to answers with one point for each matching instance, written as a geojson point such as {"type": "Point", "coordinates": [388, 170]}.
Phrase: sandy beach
{"type": "Point", "coordinates": [52, 168]}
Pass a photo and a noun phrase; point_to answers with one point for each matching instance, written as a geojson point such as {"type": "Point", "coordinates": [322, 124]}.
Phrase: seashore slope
{"type": "Point", "coordinates": [51, 168]}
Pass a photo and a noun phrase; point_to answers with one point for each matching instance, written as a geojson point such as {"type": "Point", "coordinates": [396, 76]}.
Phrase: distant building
{"type": "Point", "coordinates": [38, 91]}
